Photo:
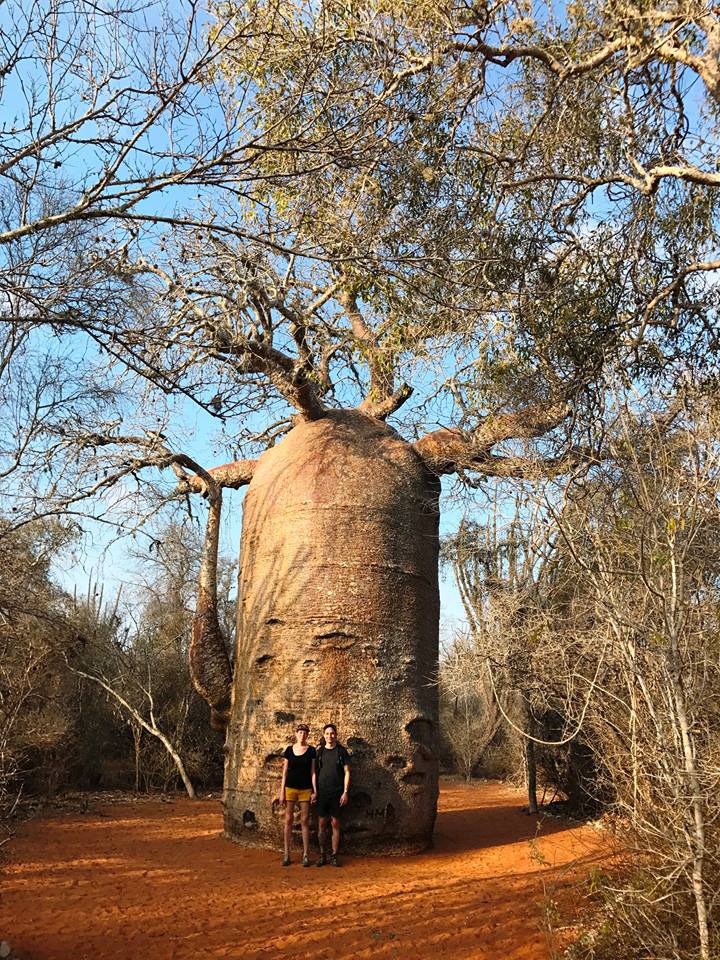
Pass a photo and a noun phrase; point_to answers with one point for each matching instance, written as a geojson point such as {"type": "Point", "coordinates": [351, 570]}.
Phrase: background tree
{"type": "Point", "coordinates": [620, 656]}
{"type": "Point", "coordinates": [62, 730]}
{"type": "Point", "coordinates": [141, 666]}
{"type": "Point", "coordinates": [35, 721]}
{"type": "Point", "coordinates": [511, 582]}
{"type": "Point", "coordinates": [646, 550]}
{"type": "Point", "coordinates": [469, 713]}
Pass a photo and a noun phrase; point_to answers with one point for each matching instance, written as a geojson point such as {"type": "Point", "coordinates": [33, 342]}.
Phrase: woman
{"type": "Point", "coordinates": [299, 785]}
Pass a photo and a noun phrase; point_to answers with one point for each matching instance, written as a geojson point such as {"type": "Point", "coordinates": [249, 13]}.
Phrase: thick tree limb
{"type": "Point", "coordinates": [646, 181]}
{"type": "Point", "coordinates": [292, 377]}
{"type": "Point", "coordinates": [383, 408]}
{"type": "Point", "coordinates": [447, 450]}
{"type": "Point", "coordinates": [526, 468]}
{"type": "Point", "coordinates": [209, 664]}
{"type": "Point", "coordinates": [528, 422]}
{"type": "Point", "coordinates": [379, 364]}
{"type": "Point", "coordinates": [504, 55]}
{"type": "Point", "coordinates": [234, 475]}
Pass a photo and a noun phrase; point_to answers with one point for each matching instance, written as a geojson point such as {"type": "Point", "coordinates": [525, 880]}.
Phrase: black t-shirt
{"type": "Point", "coordinates": [299, 772]}
{"type": "Point", "coordinates": [331, 769]}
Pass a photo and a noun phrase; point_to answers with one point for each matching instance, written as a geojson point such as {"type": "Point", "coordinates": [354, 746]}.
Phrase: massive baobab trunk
{"type": "Point", "coordinates": [338, 620]}
{"type": "Point", "coordinates": [338, 609]}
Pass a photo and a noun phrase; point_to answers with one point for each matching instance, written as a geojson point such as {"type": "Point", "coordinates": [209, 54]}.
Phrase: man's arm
{"type": "Point", "coordinates": [346, 786]}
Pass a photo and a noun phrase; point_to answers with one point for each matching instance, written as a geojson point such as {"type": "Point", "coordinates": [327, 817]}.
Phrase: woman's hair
{"type": "Point", "coordinates": [302, 726]}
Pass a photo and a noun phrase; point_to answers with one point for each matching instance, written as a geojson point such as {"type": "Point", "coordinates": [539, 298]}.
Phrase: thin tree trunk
{"type": "Point", "coordinates": [178, 762]}
{"type": "Point", "coordinates": [530, 763]}
{"type": "Point", "coordinates": [137, 741]}
{"type": "Point", "coordinates": [698, 819]}
{"type": "Point", "coordinates": [531, 775]}
{"type": "Point", "coordinates": [136, 731]}
{"type": "Point", "coordinates": [688, 748]}
{"type": "Point", "coordinates": [150, 726]}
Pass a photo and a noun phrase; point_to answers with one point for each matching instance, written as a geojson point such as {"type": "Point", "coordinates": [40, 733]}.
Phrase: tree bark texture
{"type": "Point", "coordinates": [338, 614]}
{"type": "Point", "coordinates": [209, 664]}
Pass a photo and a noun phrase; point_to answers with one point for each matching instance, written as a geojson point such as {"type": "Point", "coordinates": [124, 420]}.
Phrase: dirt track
{"type": "Point", "coordinates": [154, 881]}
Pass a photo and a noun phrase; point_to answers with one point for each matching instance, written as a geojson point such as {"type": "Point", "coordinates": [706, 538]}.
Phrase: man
{"type": "Point", "coordinates": [333, 782]}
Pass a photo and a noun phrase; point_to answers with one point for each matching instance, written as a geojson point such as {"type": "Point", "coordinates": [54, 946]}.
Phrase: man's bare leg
{"type": "Point", "coordinates": [322, 827]}
{"type": "Point", "coordinates": [335, 835]}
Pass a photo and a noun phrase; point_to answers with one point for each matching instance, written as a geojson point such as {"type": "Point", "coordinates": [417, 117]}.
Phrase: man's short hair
{"type": "Point", "coordinates": [330, 726]}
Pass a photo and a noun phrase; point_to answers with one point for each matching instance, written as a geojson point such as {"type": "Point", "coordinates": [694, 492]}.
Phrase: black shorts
{"type": "Point", "coordinates": [328, 804]}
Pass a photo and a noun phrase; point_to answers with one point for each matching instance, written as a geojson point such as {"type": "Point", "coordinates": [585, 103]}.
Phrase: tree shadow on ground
{"type": "Point", "coordinates": [458, 831]}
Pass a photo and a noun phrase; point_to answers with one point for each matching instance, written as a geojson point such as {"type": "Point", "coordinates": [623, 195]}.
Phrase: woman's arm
{"type": "Point", "coordinates": [281, 795]}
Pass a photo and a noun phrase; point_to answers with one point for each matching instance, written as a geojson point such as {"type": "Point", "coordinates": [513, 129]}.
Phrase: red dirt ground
{"type": "Point", "coordinates": [155, 881]}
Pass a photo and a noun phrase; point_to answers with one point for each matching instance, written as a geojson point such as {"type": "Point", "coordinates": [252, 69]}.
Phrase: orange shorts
{"type": "Point", "coordinates": [292, 793]}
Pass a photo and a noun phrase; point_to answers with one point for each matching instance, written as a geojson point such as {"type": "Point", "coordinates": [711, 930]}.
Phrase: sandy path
{"type": "Point", "coordinates": [154, 881]}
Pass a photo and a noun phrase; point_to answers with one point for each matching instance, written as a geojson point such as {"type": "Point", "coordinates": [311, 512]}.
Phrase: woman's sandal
{"type": "Point", "coordinates": [286, 861]}
{"type": "Point", "coordinates": [306, 861]}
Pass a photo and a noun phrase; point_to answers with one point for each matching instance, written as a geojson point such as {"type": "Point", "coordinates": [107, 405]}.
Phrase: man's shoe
{"type": "Point", "coordinates": [286, 861]}
{"type": "Point", "coordinates": [306, 861]}
{"type": "Point", "coordinates": [334, 860]}
{"type": "Point", "coordinates": [322, 859]}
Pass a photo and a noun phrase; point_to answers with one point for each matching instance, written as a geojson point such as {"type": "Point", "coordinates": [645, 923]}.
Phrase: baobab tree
{"type": "Point", "coordinates": [339, 608]}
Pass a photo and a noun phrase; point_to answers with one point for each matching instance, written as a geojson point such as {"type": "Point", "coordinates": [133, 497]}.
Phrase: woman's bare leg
{"type": "Point", "coordinates": [289, 814]}
{"type": "Point", "coordinates": [305, 825]}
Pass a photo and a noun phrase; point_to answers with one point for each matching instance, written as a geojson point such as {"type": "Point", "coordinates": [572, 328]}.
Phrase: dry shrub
{"type": "Point", "coordinates": [605, 628]}
{"type": "Point", "coordinates": [642, 550]}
